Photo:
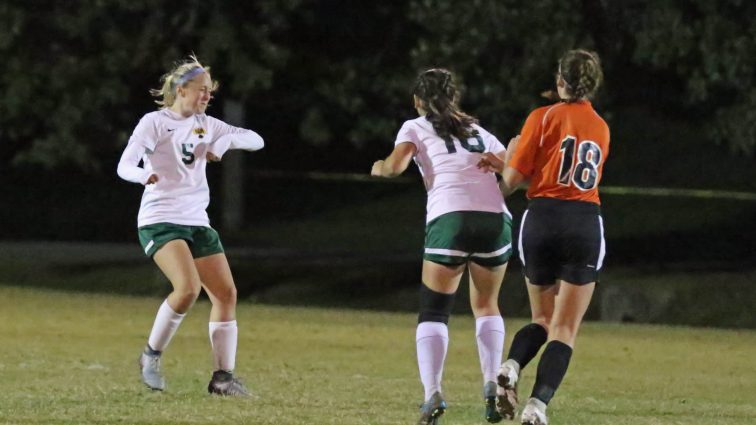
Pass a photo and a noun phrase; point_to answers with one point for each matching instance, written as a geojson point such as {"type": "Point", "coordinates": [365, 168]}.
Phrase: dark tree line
{"type": "Point", "coordinates": [332, 78]}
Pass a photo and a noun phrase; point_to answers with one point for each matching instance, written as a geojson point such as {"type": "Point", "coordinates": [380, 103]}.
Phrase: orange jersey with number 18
{"type": "Point", "coordinates": [562, 151]}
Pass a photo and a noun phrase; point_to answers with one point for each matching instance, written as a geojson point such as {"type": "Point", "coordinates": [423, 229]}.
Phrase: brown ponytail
{"type": "Point", "coordinates": [438, 92]}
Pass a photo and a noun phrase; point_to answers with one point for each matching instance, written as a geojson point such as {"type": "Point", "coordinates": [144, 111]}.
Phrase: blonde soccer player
{"type": "Point", "coordinates": [468, 227]}
{"type": "Point", "coordinates": [175, 143]}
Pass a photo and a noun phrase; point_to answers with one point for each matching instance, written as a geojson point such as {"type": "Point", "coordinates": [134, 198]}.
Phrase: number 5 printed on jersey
{"type": "Point", "coordinates": [584, 174]}
{"type": "Point", "coordinates": [187, 155]}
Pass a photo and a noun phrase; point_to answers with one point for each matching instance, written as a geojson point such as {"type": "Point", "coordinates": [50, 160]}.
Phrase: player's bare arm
{"type": "Point", "coordinates": [511, 148]}
{"type": "Point", "coordinates": [396, 163]}
{"type": "Point", "coordinates": [511, 180]}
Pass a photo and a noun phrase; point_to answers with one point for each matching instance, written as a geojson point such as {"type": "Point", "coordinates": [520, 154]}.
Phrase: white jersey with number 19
{"type": "Point", "coordinates": [174, 148]}
{"type": "Point", "coordinates": [449, 169]}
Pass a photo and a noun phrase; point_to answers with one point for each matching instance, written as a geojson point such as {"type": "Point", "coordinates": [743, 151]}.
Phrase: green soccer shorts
{"type": "Point", "coordinates": [202, 241]}
{"type": "Point", "coordinates": [455, 238]}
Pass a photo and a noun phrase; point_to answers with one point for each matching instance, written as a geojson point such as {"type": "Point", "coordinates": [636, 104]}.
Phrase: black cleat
{"type": "Point", "coordinates": [489, 399]}
{"type": "Point", "coordinates": [432, 409]}
{"type": "Point", "coordinates": [224, 383]}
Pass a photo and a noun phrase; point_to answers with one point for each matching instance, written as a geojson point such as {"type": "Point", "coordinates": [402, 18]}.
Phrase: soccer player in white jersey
{"type": "Point", "coordinates": [467, 227]}
{"type": "Point", "coordinates": [175, 144]}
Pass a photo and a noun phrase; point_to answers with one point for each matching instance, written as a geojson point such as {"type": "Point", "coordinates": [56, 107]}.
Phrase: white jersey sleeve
{"type": "Point", "coordinates": [408, 133]}
{"type": "Point", "coordinates": [128, 166]}
{"type": "Point", "coordinates": [229, 137]}
{"type": "Point", "coordinates": [142, 140]}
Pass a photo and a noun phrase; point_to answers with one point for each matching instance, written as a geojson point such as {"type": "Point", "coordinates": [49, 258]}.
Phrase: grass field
{"type": "Point", "coordinates": [69, 358]}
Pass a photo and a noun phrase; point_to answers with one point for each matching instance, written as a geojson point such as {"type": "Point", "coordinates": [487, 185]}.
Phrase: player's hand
{"type": "Point", "coordinates": [377, 170]}
{"type": "Point", "coordinates": [152, 179]}
{"type": "Point", "coordinates": [211, 157]}
{"type": "Point", "coordinates": [491, 163]}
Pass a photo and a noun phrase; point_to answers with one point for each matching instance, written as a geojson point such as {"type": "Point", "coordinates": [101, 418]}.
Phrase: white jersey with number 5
{"type": "Point", "coordinates": [175, 147]}
{"type": "Point", "coordinates": [450, 172]}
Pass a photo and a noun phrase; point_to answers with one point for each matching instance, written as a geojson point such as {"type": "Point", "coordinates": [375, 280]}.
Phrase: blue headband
{"type": "Point", "coordinates": [188, 75]}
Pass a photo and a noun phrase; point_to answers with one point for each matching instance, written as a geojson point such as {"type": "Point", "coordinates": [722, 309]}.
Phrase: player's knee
{"type": "Point", "coordinates": [542, 320]}
{"type": "Point", "coordinates": [188, 292]}
{"type": "Point", "coordinates": [542, 323]}
{"type": "Point", "coordinates": [563, 330]}
{"type": "Point", "coordinates": [227, 296]}
{"type": "Point", "coordinates": [434, 306]}
{"type": "Point", "coordinates": [186, 298]}
{"type": "Point", "coordinates": [485, 307]}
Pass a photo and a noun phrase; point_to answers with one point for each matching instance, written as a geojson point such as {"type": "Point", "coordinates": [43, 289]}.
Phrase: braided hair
{"type": "Point", "coordinates": [581, 72]}
{"type": "Point", "coordinates": [438, 92]}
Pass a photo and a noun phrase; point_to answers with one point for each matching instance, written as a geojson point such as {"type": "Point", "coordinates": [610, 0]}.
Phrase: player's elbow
{"type": "Point", "coordinates": [253, 142]}
{"type": "Point", "coordinates": [121, 171]}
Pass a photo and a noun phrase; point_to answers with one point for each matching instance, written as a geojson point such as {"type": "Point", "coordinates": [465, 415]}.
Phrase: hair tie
{"type": "Point", "coordinates": [189, 75]}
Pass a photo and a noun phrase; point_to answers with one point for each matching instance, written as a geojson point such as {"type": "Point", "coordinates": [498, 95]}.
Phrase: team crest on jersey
{"type": "Point", "coordinates": [200, 132]}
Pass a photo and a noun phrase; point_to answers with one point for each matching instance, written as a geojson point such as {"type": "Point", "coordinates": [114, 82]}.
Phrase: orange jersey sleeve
{"type": "Point", "coordinates": [562, 151]}
{"type": "Point", "coordinates": [523, 159]}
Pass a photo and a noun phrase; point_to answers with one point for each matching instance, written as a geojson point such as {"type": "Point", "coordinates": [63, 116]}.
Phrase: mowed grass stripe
{"type": "Point", "coordinates": [70, 358]}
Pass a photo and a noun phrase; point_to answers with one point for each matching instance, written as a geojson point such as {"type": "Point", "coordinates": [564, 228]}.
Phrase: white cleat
{"type": "Point", "coordinates": [149, 365]}
{"type": "Point", "coordinates": [506, 391]}
{"type": "Point", "coordinates": [534, 413]}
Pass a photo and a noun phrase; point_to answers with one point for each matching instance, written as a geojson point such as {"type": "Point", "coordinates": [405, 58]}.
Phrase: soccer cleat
{"type": "Point", "coordinates": [149, 364]}
{"type": "Point", "coordinates": [224, 383]}
{"type": "Point", "coordinates": [534, 413]}
{"type": "Point", "coordinates": [489, 398]}
{"type": "Point", "coordinates": [506, 393]}
{"type": "Point", "coordinates": [432, 409]}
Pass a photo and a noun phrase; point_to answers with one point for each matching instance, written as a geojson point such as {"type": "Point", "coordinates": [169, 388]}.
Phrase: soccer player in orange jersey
{"type": "Point", "coordinates": [560, 153]}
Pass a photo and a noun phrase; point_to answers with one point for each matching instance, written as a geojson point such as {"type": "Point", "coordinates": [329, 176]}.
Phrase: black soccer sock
{"type": "Point", "coordinates": [222, 375]}
{"type": "Point", "coordinates": [526, 343]}
{"type": "Point", "coordinates": [551, 369]}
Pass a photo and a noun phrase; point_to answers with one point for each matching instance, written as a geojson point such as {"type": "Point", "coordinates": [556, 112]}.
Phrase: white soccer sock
{"type": "Point", "coordinates": [166, 323]}
{"type": "Point", "coordinates": [432, 340]}
{"type": "Point", "coordinates": [489, 331]}
{"type": "Point", "coordinates": [223, 340]}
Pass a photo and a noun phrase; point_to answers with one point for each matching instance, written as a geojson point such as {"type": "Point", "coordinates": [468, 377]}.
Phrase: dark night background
{"type": "Point", "coordinates": [328, 83]}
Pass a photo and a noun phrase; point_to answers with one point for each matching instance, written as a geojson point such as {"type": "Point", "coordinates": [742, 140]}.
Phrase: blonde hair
{"type": "Point", "coordinates": [181, 74]}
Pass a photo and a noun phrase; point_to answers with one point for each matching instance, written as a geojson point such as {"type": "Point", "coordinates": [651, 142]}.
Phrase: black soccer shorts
{"type": "Point", "coordinates": [561, 240]}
